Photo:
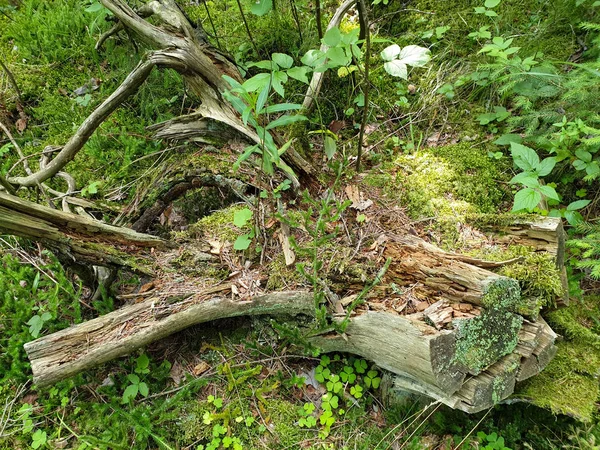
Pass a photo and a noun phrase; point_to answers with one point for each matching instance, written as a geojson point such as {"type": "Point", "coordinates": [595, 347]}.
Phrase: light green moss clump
{"type": "Point", "coordinates": [219, 225]}
{"type": "Point", "coordinates": [478, 343]}
{"type": "Point", "coordinates": [568, 385]}
{"type": "Point", "coordinates": [442, 181]}
{"type": "Point", "coordinates": [578, 321]}
{"type": "Point", "coordinates": [537, 274]}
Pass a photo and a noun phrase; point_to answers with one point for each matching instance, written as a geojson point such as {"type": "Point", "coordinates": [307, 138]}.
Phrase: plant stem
{"type": "Point", "coordinates": [319, 24]}
{"type": "Point", "coordinates": [247, 28]}
{"type": "Point", "coordinates": [212, 24]}
{"type": "Point", "coordinates": [365, 84]}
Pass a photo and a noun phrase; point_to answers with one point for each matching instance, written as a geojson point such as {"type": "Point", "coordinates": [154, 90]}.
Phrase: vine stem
{"type": "Point", "coordinates": [247, 28]}
{"type": "Point", "coordinates": [365, 84]}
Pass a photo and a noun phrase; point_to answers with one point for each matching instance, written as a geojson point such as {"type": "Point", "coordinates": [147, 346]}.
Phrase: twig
{"type": "Point", "coordinates": [12, 80]}
{"type": "Point", "coordinates": [17, 148]}
{"type": "Point", "coordinates": [247, 28]}
{"type": "Point", "coordinates": [365, 84]}
{"type": "Point", "coordinates": [212, 24]}
{"type": "Point", "coordinates": [319, 24]}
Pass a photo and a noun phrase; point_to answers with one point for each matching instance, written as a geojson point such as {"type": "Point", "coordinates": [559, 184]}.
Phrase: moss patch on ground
{"type": "Point", "coordinates": [442, 181]}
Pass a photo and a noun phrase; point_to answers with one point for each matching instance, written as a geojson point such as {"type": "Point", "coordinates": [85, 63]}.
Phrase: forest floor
{"type": "Point", "coordinates": [437, 154]}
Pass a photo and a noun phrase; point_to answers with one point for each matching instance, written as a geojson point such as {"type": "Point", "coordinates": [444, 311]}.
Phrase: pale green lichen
{"type": "Point", "coordinates": [502, 293]}
{"type": "Point", "coordinates": [478, 343]}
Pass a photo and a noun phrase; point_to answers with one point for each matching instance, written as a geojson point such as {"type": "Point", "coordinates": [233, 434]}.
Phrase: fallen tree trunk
{"type": "Point", "coordinates": [449, 329]}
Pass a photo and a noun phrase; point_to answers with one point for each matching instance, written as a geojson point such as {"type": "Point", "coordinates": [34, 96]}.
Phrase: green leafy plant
{"type": "Point", "coordinates": [136, 384]}
{"type": "Point", "coordinates": [397, 60]}
{"type": "Point", "coordinates": [240, 220]}
{"type": "Point", "coordinates": [488, 8]}
{"type": "Point", "coordinates": [491, 441]}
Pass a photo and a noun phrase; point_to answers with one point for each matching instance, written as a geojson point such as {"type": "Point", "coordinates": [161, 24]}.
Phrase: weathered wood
{"type": "Point", "coordinates": [440, 275]}
{"type": "Point", "coordinates": [77, 237]}
{"type": "Point", "coordinates": [400, 345]}
{"type": "Point", "coordinates": [86, 345]}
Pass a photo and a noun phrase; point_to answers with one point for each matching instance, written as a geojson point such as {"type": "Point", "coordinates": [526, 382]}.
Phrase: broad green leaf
{"type": "Point", "coordinates": [265, 64]}
{"type": "Point", "coordinates": [525, 158]}
{"type": "Point", "coordinates": [415, 56]}
{"type": "Point", "coordinates": [285, 120]}
{"type": "Point", "coordinates": [94, 7]}
{"type": "Point", "coordinates": [313, 58]}
{"type": "Point", "coordinates": [579, 204]}
{"type": "Point", "coordinates": [573, 217]}
{"type": "Point", "coordinates": [492, 3]}
{"type": "Point", "coordinates": [549, 192]}
{"type": "Point", "coordinates": [337, 57]}
{"type": "Point", "coordinates": [262, 98]}
{"type": "Point", "coordinates": [583, 155]}
{"type": "Point", "coordinates": [525, 178]}
{"type": "Point", "coordinates": [279, 79]}
{"type": "Point", "coordinates": [130, 393]}
{"type": "Point", "coordinates": [332, 37]}
{"type": "Point", "coordinates": [396, 68]}
{"type": "Point", "coordinates": [299, 73]}
{"type": "Point", "coordinates": [133, 378]}
{"type": "Point", "coordinates": [546, 166]}
{"type": "Point", "coordinates": [491, 13]}
{"type": "Point", "coordinates": [261, 7]}
{"type": "Point", "coordinates": [257, 82]}
{"type": "Point", "coordinates": [143, 387]}
{"type": "Point", "coordinates": [526, 199]}
{"type": "Point", "coordinates": [242, 242]}
{"type": "Point", "coordinates": [390, 53]}
{"type": "Point", "coordinates": [35, 325]}
{"type": "Point", "coordinates": [283, 60]}
{"type": "Point", "coordinates": [241, 217]}
{"type": "Point", "coordinates": [506, 139]}
{"type": "Point", "coordinates": [330, 147]}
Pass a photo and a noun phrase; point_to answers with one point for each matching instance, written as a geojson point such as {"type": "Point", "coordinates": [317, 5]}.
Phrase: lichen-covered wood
{"type": "Point", "coordinates": [467, 347]}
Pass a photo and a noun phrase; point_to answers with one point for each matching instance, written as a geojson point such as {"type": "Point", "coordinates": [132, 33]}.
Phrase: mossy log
{"type": "Point", "coordinates": [78, 238]}
{"type": "Point", "coordinates": [468, 357]}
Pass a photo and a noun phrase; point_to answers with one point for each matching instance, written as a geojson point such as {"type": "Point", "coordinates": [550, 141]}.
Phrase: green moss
{"type": "Point", "coordinates": [579, 321]}
{"type": "Point", "coordinates": [219, 225]}
{"type": "Point", "coordinates": [442, 181]}
{"type": "Point", "coordinates": [536, 272]}
{"type": "Point", "coordinates": [569, 383]}
{"type": "Point", "coordinates": [282, 276]}
{"type": "Point", "coordinates": [478, 343]}
{"type": "Point", "coordinates": [502, 293]}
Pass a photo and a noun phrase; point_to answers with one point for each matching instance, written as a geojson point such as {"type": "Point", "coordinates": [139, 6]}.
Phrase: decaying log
{"type": "Point", "coordinates": [467, 347]}
{"type": "Point", "coordinates": [68, 352]}
{"type": "Point", "coordinates": [80, 238]}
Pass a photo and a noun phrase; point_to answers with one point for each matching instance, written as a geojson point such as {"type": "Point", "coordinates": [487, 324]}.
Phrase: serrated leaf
{"type": "Point", "coordinates": [526, 179]}
{"type": "Point", "coordinates": [396, 68]}
{"type": "Point", "coordinates": [546, 166]}
{"type": "Point", "coordinates": [130, 393]}
{"type": "Point", "coordinates": [313, 58]}
{"type": "Point", "coordinates": [549, 192]}
{"type": "Point", "coordinates": [299, 73]}
{"type": "Point", "coordinates": [241, 217]}
{"type": "Point", "coordinates": [257, 82]}
{"type": "Point", "coordinates": [261, 7]}
{"type": "Point", "coordinates": [506, 139]}
{"type": "Point", "coordinates": [134, 379]}
{"type": "Point", "coordinates": [526, 199]}
{"type": "Point", "coordinates": [525, 158]}
{"type": "Point", "coordinates": [390, 53]}
{"type": "Point", "coordinates": [143, 387]}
